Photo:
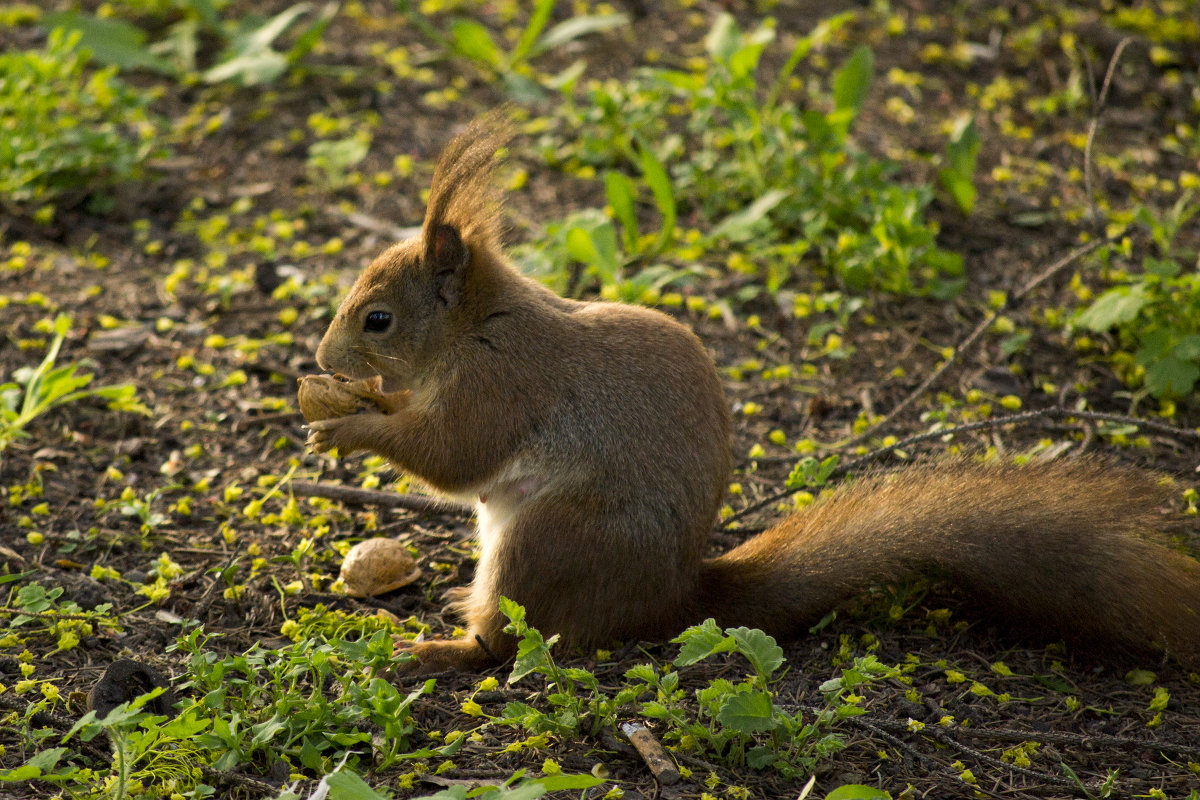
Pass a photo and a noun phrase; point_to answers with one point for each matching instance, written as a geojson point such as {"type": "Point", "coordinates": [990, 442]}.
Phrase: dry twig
{"type": "Point", "coordinates": [371, 497]}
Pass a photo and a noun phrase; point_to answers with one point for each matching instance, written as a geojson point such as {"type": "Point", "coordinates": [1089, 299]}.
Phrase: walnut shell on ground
{"type": "Point", "coordinates": [377, 566]}
{"type": "Point", "coordinates": [329, 396]}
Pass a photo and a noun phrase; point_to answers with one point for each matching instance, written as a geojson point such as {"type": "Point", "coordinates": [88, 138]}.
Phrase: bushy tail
{"type": "Point", "coordinates": [1075, 547]}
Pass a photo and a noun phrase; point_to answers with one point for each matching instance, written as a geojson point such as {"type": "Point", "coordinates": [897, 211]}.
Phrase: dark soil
{"type": "Point", "coordinates": [215, 354]}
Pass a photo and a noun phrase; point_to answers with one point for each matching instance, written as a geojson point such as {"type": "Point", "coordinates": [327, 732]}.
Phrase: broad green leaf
{"type": "Point", "coordinates": [555, 783]}
{"type": "Point", "coordinates": [1155, 343]}
{"type": "Point", "coordinates": [852, 82]}
{"type": "Point", "coordinates": [749, 712]}
{"type": "Point", "coordinates": [110, 41]}
{"type": "Point", "coordinates": [744, 60]}
{"type": "Point", "coordinates": [527, 790]}
{"type": "Point", "coordinates": [472, 40]}
{"type": "Point", "coordinates": [1140, 677]}
{"type": "Point", "coordinates": [41, 764]}
{"type": "Point", "coordinates": [1188, 347]}
{"type": "Point", "coordinates": [595, 244]}
{"type": "Point", "coordinates": [761, 757]}
{"type": "Point", "coordinates": [339, 154]}
{"type": "Point", "coordinates": [310, 756]}
{"type": "Point", "coordinates": [1117, 305]}
{"type": "Point", "coordinates": [761, 650]}
{"type": "Point", "coordinates": [1172, 377]}
{"type": "Point", "coordinates": [738, 226]}
{"type": "Point", "coordinates": [856, 791]}
{"type": "Point", "coordinates": [22, 774]}
{"type": "Point", "coordinates": [346, 785]}
{"type": "Point", "coordinates": [642, 672]}
{"type": "Point", "coordinates": [205, 10]}
{"type": "Point", "coordinates": [1166, 268]}
{"type": "Point", "coordinates": [581, 247]}
{"type": "Point", "coordinates": [701, 641]}
{"type": "Point", "coordinates": [512, 609]}
{"type": "Point", "coordinates": [962, 190]}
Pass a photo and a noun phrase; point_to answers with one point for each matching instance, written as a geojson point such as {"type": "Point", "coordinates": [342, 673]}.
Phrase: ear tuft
{"type": "Point", "coordinates": [463, 194]}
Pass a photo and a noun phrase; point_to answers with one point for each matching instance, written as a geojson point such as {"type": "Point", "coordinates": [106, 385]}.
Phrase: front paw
{"type": "Point", "coordinates": [441, 655]}
{"type": "Point", "coordinates": [344, 434]}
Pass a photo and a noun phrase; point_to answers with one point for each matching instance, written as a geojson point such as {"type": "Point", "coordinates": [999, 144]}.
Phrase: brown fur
{"type": "Point", "coordinates": [594, 439]}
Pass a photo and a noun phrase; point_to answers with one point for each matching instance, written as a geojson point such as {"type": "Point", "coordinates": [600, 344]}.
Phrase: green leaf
{"type": "Point", "coordinates": [581, 247]}
{"type": "Point", "coordinates": [36, 767]}
{"type": "Point", "coordinates": [621, 194]}
{"type": "Point", "coordinates": [962, 150]}
{"type": "Point", "coordinates": [205, 10]}
{"type": "Point", "coordinates": [537, 22]}
{"type": "Point", "coordinates": [252, 69]}
{"type": "Point", "coordinates": [1117, 305]}
{"type": "Point", "coordinates": [110, 41]}
{"type": "Point", "coordinates": [262, 37]}
{"type": "Point", "coordinates": [739, 226]}
{"type": "Point", "coordinates": [640, 672]}
{"type": "Point", "coordinates": [346, 785]}
{"type": "Point", "coordinates": [744, 61]}
{"type": "Point", "coordinates": [748, 712]}
{"type": "Point", "coordinates": [701, 641]}
{"type": "Point", "coordinates": [762, 757]}
{"type": "Point", "coordinates": [306, 41]}
{"type": "Point", "coordinates": [664, 195]}
{"type": "Point", "coordinates": [1188, 347]}
{"type": "Point", "coordinates": [723, 38]}
{"type": "Point", "coordinates": [514, 611]}
{"type": "Point", "coordinates": [310, 756]}
{"type": "Point", "coordinates": [852, 82]}
{"type": "Point", "coordinates": [761, 650]}
{"type": "Point", "coordinates": [856, 791]}
{"type": "Point", "coordinates": [1166, 268]}
{"type": "Point", "coordinates": [533, 654]}
{"type": "Point", "coordinates": [473, 41]}
{"type": "Point", "coordinates": [820, 34]}
{"type": "Point", "coordinates": [554, 783]}
{"type": "Point", "coordinates": [1172, 377]}
{"type": "Point", "coordinates": [1140, 677]}
{"type": "Point", "coordinates": [576, 27]}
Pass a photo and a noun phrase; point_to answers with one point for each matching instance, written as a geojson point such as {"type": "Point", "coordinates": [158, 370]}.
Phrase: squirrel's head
{"type": "Point", "coordinates": [400, 311]}
{"type": "Point", "coordinates": [407, 306]}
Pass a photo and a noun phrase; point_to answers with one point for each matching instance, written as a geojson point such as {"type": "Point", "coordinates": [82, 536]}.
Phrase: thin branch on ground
{"type": "Point", "coordinates": [370, 497]}
{"type": "Point", "coordinates": [974, 336]}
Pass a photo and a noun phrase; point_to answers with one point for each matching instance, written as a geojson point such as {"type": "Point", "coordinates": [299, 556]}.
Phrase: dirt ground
{"type": "Point", "coordinates": [214, 351]}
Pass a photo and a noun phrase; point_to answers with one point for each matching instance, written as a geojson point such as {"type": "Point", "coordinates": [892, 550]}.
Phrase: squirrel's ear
{"type": "Point", "coordinates": [447, 257]}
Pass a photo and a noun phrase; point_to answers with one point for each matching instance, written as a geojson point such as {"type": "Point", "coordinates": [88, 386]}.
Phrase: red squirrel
{"type": "Point", "coordinates": [594, 440]}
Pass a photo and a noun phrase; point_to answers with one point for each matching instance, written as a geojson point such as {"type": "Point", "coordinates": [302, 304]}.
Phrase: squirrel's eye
{"type": "Point", "coordinates": [377, 322]}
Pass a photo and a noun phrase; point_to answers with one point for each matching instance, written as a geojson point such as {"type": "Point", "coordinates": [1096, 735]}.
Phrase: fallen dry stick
{"type": "Point", "coordinates": [656, 758]}
{"type": "Point", "coordinates": [370, 497]}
